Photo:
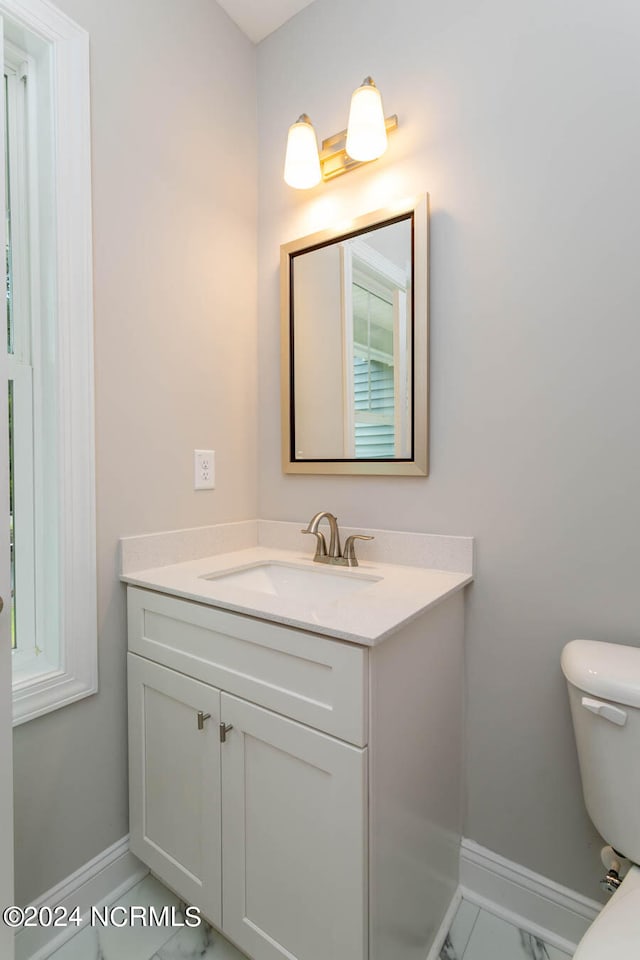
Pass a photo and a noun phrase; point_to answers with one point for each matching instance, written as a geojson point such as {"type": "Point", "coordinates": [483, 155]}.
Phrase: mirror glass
{"type": "Point", "coordinates": [350, 335]}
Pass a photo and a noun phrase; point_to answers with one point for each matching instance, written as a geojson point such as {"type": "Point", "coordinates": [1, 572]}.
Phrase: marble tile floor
{"type": "Point", "coordinates": [476, 934]}
{"type": "Point", "coordinates": [139, 942]}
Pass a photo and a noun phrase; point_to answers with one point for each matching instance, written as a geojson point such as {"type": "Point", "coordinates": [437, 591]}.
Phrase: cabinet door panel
{"type": "Point", "coordinates": [174, 781]}
{"type": "Point", "coordinates": [294, 838]}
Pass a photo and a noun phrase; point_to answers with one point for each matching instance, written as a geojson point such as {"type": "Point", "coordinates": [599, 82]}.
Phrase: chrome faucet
{"type": "Point", "coordinates": [334, 553]}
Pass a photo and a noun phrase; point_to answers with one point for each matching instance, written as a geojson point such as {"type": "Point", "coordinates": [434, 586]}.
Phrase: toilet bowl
{"type": "Point", "coordinates": [603, 681]}
{"type": "Point", "coordinates": [616, 931]}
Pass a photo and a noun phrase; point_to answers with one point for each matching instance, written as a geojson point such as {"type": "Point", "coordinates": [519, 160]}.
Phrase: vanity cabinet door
{"type": "Point", "coordinates": [174, 781]}
{"type": "Point", "coordinates": [294, 815]}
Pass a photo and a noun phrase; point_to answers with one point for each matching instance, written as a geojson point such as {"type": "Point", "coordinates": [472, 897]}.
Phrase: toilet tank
{"type": "Point", "coordinates": [604, 694]}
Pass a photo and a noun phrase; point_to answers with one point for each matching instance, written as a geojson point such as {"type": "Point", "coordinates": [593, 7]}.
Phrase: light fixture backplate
{"type": "Point", "coordinates": [334, 159]}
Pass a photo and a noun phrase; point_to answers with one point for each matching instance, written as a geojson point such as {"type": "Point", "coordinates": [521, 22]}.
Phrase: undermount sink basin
{"type": "Point", "coordinates": [291, 582]}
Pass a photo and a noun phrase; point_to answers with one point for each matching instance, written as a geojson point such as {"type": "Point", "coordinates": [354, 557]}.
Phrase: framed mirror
{"type": "Point", "coordinates": [354, 331]}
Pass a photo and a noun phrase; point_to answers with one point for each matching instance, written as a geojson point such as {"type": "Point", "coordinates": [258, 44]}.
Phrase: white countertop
{"type": "Point", "coordinates": [366, 617]}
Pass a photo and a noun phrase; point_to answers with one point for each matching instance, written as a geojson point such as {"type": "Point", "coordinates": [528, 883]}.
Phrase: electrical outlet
{"type": "Point", "coordinates": [204, 462]}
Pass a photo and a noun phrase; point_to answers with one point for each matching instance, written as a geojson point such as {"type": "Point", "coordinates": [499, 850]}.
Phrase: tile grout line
{"type": "Point", "coordinates": [473, 926]}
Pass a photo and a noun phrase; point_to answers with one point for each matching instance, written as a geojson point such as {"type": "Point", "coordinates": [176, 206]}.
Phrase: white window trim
{"type": "Point", "coordinates": [20, 365]}
{"type": "Point", "coordinates": [359, 261]}
{"type": "Point", "coordinates": [76, 676]}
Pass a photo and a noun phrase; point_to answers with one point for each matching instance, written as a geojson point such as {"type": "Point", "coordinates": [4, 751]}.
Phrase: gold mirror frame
{"type": "Point", "coordinates": [418, 466]}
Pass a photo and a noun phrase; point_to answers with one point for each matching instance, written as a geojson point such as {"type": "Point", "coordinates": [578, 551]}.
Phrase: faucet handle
{"type": "Point", "coordinates": [349, 553]}
{"type": "Point", "coordinates": [321, 543]}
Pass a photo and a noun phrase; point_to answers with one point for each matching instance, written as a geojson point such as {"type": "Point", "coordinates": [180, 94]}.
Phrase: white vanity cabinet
{"type": "Point", "coordinates": [302, 791]}
{"type": "Point", "coordinates": [264, 826]}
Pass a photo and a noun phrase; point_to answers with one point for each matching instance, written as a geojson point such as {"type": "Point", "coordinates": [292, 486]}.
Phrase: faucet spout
{"type": "Point", "coordinates": [334, 536]}
{"type": "Point", "coordinates": [334, 553]}
{"type": "Point", "coordinates": [334, 550]}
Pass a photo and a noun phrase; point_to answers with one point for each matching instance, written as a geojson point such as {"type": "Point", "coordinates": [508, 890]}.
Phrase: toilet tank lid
{"type": "Point", "coordinates": [608, 670]}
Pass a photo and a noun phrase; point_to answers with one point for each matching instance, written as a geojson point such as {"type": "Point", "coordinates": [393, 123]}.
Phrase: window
{"type": "Point", "coordinates": [373, 374]}
{"type": "Point", "coordinates": [20, 361]}
{"type": "Point", "coordinates": [377, 354]}
{"type": "Point", "coordinates": [49, 357]}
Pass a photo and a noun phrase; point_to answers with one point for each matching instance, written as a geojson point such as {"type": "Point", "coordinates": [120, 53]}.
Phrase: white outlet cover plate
{"type": "Point", "coordinates": [204, 465]}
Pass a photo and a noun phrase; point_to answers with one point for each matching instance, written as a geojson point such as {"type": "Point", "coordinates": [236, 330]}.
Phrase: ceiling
{"type": "Point", "coordinates": [259, 18]}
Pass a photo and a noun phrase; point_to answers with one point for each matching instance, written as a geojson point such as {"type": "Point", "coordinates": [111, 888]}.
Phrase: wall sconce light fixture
{"type": "Point", "coordinates": [365, 139]}
{"type": "Point", "coordinates": [302, 163]}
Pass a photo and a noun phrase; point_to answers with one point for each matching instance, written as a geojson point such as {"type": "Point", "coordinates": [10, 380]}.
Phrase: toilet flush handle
{"type": "Point", "coordinates": [605, 710]}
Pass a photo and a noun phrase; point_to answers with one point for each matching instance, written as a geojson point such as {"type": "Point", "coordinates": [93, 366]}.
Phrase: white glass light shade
{"type": "Point", "coordinates": [302, 163]}
{"type": "Point", "coordinates": [366, 133]}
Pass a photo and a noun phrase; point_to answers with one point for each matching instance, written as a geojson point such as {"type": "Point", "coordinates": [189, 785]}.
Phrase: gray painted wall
{"type": "Point", "coordinates": [520, 120]}
{"type": "Point", "coordinates": [174, 217]}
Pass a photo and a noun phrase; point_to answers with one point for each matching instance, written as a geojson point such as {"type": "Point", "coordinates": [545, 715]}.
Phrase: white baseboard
{"type": "Point", "coordinates": [556, 914]}
{"type": "Point", "coordinates": [100, 882]}
{"type": "Point", "coordinates": [532, 902]}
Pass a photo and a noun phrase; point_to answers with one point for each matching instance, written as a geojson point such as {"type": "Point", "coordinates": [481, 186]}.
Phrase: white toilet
{"type": "Point", "coordinates": [604, 692]}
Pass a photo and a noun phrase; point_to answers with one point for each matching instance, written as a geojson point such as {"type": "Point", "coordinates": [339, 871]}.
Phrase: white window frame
{"type": "Point", "coordinates": [20, 364]}
{"type": "Point", "coordinates": [360, 263]}
{"type": "Point", "coordinates": [66, 620]}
